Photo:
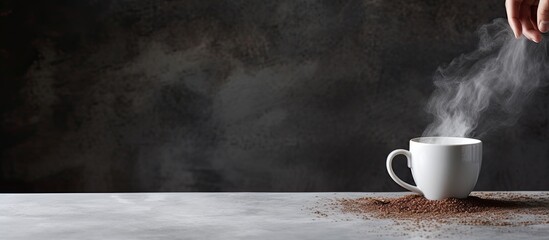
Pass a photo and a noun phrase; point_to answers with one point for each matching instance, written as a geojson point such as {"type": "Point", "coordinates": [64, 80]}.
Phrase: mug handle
{"type": "Point", "coordinates": [392, 173]}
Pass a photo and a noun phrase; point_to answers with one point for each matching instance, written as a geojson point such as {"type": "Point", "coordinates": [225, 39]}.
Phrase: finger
{"type": "Point", "coordinates": [525, 19]}
{"type": "Point", "coordinates": [543, 15]}
{"type": "Point", "coordinates": [513, 8]}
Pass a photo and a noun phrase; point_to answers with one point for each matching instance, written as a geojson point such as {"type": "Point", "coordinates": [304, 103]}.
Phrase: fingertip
{"type": "Point", "coordinates": [543, 26]}
{"type": "Point", "coordinates": [535, 38]}
{"type": "Point", "coordinates": [517, 29]}
{"type": "Point", "coordinates": [518, 34]}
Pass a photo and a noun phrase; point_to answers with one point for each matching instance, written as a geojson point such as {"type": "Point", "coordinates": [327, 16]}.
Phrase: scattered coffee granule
{"type": "Point", "coordinates": [490, 209]}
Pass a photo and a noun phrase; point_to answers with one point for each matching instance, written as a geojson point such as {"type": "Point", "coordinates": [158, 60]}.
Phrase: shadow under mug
{"type": "Point", "coordinates": [442, 167]}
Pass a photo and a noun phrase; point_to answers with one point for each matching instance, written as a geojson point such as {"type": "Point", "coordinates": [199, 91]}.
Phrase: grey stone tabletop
{"type": "Point", "coordinates": [220, 216]}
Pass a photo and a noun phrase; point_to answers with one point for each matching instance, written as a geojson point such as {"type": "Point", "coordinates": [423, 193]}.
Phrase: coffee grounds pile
{"type": "Point", "coordinates": [489, 210]}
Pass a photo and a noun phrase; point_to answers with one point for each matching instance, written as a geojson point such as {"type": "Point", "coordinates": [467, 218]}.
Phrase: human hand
{"type": "Point", "coordinates": [528, 17]}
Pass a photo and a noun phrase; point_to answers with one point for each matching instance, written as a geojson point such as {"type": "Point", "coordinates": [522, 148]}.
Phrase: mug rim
{"type": "Point", "coordinates": [460, 141]}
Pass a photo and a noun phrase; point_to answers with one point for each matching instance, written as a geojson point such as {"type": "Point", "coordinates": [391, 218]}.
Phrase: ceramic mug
{"type": "Point", "coordinates": [442, 167]}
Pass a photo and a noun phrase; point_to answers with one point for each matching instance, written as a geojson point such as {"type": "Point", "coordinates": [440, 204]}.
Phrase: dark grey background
{"type": "Point", "coordinates": [194, 95]}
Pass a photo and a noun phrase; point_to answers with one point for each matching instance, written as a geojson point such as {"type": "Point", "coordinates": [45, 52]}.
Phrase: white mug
{"type": "Point", "coordinates": [442, 167]}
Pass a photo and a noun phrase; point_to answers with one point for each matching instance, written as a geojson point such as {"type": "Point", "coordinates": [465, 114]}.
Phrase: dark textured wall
{"type": "Point", "coordinates": [148, 95]}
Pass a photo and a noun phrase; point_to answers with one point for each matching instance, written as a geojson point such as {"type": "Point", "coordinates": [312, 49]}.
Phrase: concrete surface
{"type": "Point", "coordinates": [216, 216]}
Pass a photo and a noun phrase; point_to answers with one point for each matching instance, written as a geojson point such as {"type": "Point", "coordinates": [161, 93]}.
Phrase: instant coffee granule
{"type": "Point", "coordinates": [491, 209]}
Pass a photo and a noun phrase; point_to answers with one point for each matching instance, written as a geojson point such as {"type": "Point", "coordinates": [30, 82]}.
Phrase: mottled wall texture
{"type": "Point", "coordinates": [199, 95]}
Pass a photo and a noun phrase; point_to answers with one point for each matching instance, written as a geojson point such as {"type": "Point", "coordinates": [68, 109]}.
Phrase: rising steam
{"type": "Point", "coordinates": [488, 87]}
